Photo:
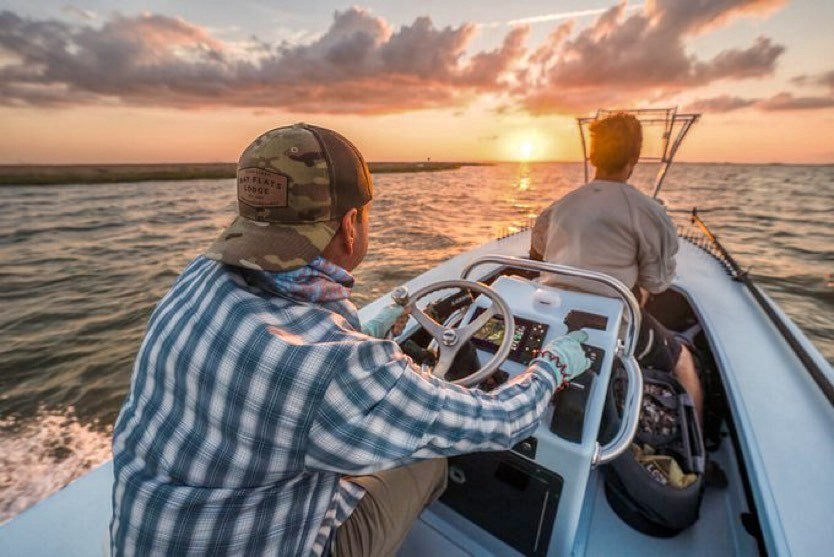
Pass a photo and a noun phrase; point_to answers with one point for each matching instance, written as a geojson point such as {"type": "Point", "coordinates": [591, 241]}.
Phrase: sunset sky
{"type": "Point", "coordinates": [193, 81]}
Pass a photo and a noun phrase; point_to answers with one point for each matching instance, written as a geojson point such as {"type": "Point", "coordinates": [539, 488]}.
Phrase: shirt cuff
{"type": "Point", "coordinates": [543, 371]}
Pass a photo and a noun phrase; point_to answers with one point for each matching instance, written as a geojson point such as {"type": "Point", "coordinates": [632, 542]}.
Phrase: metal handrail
{"type": "Point", "coordinates": [632, 404]}
{"type": "Point", "coordinates": [634, 394]}
{"type": "Point", "coordinates": [631, 305]}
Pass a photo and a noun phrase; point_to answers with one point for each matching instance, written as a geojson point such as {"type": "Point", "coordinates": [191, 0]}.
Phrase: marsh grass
{"type": "Point", "coordinates": [25, 174]}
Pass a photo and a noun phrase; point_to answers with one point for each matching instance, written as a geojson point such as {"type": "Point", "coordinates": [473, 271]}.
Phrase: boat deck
{"type": "Point", "coordinates": [441, 531]}
{"type": "Point", "coordinates": [785, 423]}
{"type": "Point", "coordinates": [785, 427]}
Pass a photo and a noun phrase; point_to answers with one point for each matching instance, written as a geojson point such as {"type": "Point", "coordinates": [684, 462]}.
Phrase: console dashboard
{"type": "Point", "coordinates": [528, 338]}
{"type": "Point", "coordinates": [542, 313]}
{"type": "Point", "coordinates": [561, 450]}
{"type": "Point", "coordinates": [543, 479]}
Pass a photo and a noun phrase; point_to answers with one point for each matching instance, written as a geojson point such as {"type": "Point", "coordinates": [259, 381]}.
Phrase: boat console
{"type": "Point", "coordinates": [530, 498]}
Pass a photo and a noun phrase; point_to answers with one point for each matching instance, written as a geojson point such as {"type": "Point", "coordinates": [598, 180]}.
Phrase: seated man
{"type": "Point", "coordinates": [260, 419]}
{"type": "Point", "coordinates": [611, 227]}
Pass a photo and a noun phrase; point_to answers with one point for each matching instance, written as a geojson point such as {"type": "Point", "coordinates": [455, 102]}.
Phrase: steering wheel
{"type": "Point", "coordinates": [449, 338]}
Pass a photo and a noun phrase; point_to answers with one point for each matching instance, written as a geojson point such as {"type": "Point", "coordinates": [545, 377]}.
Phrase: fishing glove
{"type": "Point", "coordinates": [382, 322]}
{"type": "Point", "coordinates": [565, 357]}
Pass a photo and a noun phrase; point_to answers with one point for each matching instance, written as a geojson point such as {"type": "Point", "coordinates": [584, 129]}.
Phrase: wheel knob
{"type": "Point", "coordinates": [400, 295]}
{"type": "Point", "coordinates": [450, 337]}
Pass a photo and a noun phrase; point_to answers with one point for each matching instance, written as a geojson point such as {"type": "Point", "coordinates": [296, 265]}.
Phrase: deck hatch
{"type": "Point", "coordinates": [507, 495]}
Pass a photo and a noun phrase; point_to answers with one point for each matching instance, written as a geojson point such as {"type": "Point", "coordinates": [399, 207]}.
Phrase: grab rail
{"type": "Point", "coordinates": [632, 307]}
{"type": "Point", "coordinates": [634, 394]}
{"type": "Point", "coordinates": [632, 403]}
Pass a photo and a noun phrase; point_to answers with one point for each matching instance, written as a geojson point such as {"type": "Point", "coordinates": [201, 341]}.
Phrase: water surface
{"type": "Point", "coordinates": [83, 266]}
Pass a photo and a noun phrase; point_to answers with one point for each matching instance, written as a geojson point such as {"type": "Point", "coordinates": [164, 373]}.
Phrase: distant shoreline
{"type": "Point", "coordinates": [49, 174]}
{"type": "Point", "coordinates": [52, 174]}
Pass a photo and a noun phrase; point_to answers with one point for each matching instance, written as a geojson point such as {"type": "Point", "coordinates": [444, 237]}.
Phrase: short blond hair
{"type": "Point", "coordinates": [616, 140]}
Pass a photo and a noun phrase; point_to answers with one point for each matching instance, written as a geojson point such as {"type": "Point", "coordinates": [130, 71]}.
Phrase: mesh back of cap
{"type": "Point", "coordinates": [352, 184]}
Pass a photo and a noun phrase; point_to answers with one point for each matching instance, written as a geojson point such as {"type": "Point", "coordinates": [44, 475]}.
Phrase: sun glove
{"type": "Point", "coordinates": [565, 357]}
{"type": "Point", "coordinates": [379, 325]}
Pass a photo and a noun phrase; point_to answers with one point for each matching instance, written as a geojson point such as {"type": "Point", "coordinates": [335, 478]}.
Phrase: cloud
{"type": "Point", "coordinates": [622, 60]}
{"type": "Point", "coordinates": [359, 65]}
{"type": "Point", "coordinates": [784, 101]}
{"type": "Point", "coordinates": [787, 101]}
{"type": "Point", "coordinates": [131, 58]}
{"type": "Point", "coordinates": [363, 65]}
{"type": "Point", "coordinates": [700, 16]}
{"type": "Point", "coordinates": [824, 79]}
{"type": "Point", "coordinates": [485, 68]}
{"type": "Point", "coordinates": [756, 61]}
{"type": "Point", "coordinates": [556, 16]}
{"type": "Point", "coordinates": [723, 103]}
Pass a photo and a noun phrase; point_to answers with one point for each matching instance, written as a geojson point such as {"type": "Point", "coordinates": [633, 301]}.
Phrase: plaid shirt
{"type": "Point", "coordinates": [247, 408]}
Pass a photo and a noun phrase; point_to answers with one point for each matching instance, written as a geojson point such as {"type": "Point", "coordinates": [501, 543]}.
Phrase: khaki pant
{"type": "Point", "coordinates": [393, 500]}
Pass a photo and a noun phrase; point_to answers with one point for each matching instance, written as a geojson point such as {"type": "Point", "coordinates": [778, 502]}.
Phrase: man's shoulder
{"type": "Point", "coordinates": [577, 195]}
{"type": "Point", "coordinates": [636, 195]}
{"type": "Point", "coordinates": [586, 197]}
{"type": "Point", "coordinates": [210, 288]}
{"type": "Point", "coordinates": [197, 265]}
{"type": "Point", "coordinates": [590, 192]}
{"type": "Point", "coordinates": [643, 201]}
{"type": "Point", "coordinates": [204, 270]}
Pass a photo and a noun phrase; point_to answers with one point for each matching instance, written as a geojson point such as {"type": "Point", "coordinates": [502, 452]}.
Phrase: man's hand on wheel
{"type": "Point", "coordinates": [565, 357]}
{"type": "Point", "coordinates": [380, 325]}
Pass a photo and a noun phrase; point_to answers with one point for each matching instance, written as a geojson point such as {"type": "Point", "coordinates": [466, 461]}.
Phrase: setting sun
{"type": "Point", "coordinates": [525, 150]}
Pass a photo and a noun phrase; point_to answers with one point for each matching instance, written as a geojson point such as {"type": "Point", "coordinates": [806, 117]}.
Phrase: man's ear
{"type": "Point", "coordinates": [348, 230]}
{"type": "Point", "coordinates": [632, 164]}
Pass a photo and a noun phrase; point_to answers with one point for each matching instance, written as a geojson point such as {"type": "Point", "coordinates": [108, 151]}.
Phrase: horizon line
{"type": "Point", "coordinates": [414, 161]}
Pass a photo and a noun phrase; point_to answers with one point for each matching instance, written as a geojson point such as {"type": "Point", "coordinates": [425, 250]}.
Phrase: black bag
{"type": "Point", "coordinates": [637, 490]}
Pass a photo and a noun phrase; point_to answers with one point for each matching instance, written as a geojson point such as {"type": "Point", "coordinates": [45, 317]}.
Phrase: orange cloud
{"type": "Point", "coordinates": [702, 16]}
{"type": "Point", "coordinates": [362, 65]}
{"type": "Point", "coordinates": [783, 101]}
{"type": "Point", "coordinates": [722, 103]}
{"type": "Point", "coordinates": [621, 60]}
{"type": "Point", "coordinates": [358, 66]}
{"type": "Point", "coordinates": [824, 79]}
{"type": "Point", "coordinates": [787, 101]}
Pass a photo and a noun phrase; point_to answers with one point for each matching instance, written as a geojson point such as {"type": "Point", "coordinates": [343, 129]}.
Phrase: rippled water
{"type": "Point", "coordinates": [83, 265]}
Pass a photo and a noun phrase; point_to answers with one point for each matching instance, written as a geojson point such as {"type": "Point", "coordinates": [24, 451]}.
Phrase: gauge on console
{"type": "Point", "coordinates": [527, 340]}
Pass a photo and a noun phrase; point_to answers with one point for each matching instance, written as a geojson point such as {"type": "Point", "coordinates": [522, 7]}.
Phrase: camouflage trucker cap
{"type": "Point", "coordinates": [294, 184]}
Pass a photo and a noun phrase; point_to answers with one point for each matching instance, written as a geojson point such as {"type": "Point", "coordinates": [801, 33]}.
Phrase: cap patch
{"type": "Point", "coordinates": [259, 187]}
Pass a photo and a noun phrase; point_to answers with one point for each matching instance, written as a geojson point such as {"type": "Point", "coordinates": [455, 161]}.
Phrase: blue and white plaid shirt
{"type": "Point", "coordinates": [247, 408]}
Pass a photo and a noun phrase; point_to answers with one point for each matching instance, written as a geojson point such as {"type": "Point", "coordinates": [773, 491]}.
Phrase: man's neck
{"type": "Point", "coordinates": [612, 176]}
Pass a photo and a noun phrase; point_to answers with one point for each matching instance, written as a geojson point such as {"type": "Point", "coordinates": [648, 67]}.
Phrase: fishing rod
{"type": "Point", "coordinates": [743, 276]}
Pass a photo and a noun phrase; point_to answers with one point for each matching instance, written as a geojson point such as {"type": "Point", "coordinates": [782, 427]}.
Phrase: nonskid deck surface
{"type": "Point", "coordinates": [73, 522]}
{"type": "Point", "coordinates": [718, 531]}
{"type": "Point", "coordinates": [784, 423]}
{"type": "Point", "coordinates": [441, 531]}
{"type": "Point", "coordinates": [783, 420]}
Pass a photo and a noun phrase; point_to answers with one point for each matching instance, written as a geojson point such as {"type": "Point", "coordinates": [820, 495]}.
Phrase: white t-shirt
{"type": "Point", "coordinates": [612, 228]}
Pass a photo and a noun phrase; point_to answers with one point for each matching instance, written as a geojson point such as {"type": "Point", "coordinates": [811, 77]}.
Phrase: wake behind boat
{"type": "Point", "coordinates": [547, 495]}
